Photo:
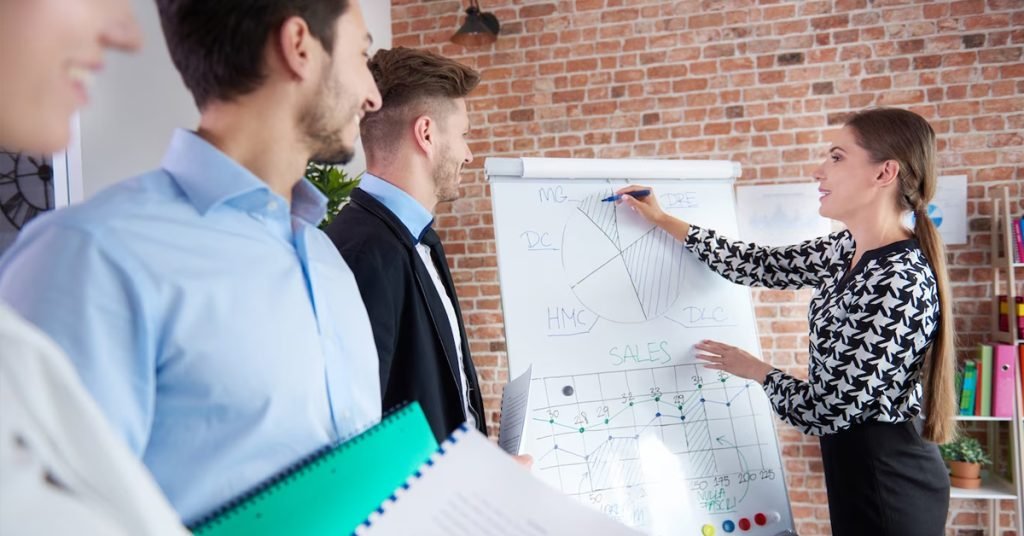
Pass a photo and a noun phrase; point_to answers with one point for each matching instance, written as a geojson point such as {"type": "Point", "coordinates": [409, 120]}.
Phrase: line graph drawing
{"type": "Point", "coordinates": [591, 436]}
{"type": "Point", "coordinates": [619, 266]}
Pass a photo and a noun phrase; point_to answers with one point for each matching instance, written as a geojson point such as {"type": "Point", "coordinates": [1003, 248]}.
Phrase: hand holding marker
{"type": "Point", "coordinates": [636, 194]}
{"type": "Point", "coordinates": [642, 200]}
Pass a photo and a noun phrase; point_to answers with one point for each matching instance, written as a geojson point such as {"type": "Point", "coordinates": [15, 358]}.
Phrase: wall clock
{"type": "Point", "coordinates": [26, 187]}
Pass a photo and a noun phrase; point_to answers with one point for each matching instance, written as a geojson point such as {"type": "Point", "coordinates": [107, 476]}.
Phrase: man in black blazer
{"type": "Point", "coordinates": [415, 150]}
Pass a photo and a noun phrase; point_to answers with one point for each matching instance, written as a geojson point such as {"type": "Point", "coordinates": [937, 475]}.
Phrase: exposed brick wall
{"type": "Point", "coordinates": [758, 82]}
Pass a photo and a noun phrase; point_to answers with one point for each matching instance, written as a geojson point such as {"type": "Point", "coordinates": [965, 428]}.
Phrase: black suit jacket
{"type": "Point", "coordinates": [410, 326]}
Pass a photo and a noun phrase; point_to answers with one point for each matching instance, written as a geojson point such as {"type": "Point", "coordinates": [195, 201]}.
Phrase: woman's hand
{"type": "Point", "coordinates": [732, 360]}
{"type": "Point", "coordinates": [649, 208]}
{"type": "Point", "coordinates": [524, 460]}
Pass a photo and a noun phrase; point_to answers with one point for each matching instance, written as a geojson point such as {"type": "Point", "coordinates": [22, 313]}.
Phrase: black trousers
{"type": "Point", "coordinates": [885, 480]}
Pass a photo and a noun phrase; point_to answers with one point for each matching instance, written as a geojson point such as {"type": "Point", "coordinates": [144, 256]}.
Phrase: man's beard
{"type": "Point", "coordinates": [338, 157]}
{"type": "Point", "coordinates": [446, 179]}
{"type": "Point", "coordinates": [319, 121]}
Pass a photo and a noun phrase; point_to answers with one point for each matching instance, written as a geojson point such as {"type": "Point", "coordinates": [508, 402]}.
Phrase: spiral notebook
{"type": "Point", "coordinates": [471, 487]}
{"type": "Point", "coordinates": [333, 490]}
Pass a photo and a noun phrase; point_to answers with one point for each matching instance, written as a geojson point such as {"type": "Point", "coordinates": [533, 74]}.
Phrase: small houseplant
{"type": "Point", "coordinates": [965, 458]}
{"type": "Point", "coordinates": [334, 183]}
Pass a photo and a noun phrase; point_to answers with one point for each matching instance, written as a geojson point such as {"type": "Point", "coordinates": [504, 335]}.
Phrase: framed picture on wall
{"type": "Point", "coordinates": [31, 184]}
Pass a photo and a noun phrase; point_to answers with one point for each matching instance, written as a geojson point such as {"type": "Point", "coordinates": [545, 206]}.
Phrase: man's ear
{"type": "Point", "coordinates": [888, 173]}
{"type": "Point", "coordinates": [298, 49]}
{"type": "Point", "coordinates": [425, 135]}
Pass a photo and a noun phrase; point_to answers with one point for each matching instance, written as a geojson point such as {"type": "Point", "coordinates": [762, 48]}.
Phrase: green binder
{"type": "Point", "coordinates": [333, 490]}
{"type": "Point", "coordinates": [985, 362]}
{"type": "Point", "coordinates": [969, 391]}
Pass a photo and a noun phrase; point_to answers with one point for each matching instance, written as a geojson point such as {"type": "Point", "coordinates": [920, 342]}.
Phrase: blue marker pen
{"type": "Point", "coordinates": [636, 194]}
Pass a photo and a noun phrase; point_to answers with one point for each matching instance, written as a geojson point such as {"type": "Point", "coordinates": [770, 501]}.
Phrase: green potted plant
{"type": "Point", "coordinates": [334, 183]}
{"type": "Point", "coordinates": [965, 458]}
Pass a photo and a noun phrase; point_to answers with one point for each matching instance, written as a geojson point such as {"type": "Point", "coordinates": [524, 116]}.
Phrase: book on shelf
{"type": "Point", "coordinates": [1018, 239]}
{"type": "Point", "coordinates": [1020, 242]}
{"type": "Point", "coordinates": [1004, 375]}
{"type": "Point", "coordinates": [968, 391]}
{"type": "Point", "coordinates": [1004, 315]}
{"type": "Point", "coordinates": [1020, 370]}
{"type": "Point", "coordinates": [986, 383]}
{"type": "Point", "coordinates": [983, 404]}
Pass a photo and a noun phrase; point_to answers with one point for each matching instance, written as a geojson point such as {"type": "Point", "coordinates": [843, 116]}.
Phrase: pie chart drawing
{"type": "Point", "coordinates": [935, 213]}
{"type": "Point", "coordinates": [619, 266]}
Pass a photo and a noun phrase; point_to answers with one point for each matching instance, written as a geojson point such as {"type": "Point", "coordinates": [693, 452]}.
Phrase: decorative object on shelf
{"type": "Point", "coordinates": [334, 183]}
{"type": "Point", "coordinates": [479, 29]}
{"type": "Point", "coordinates": [26, 187]}
{"type": "Point", "coordinates": [965, 458]}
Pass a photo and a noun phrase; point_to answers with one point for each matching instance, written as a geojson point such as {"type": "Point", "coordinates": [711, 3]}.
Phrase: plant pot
{"type": "Point", "coordinates": [968, 483]}
{"type": "Point", "coordinates": [965, 470]}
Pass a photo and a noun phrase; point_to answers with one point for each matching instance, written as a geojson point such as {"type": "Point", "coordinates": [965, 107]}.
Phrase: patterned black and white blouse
{"type": "Point", "coordinates": [870, 325]}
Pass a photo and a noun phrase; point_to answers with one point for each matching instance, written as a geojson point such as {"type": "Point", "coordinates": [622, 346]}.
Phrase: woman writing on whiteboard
{"type": "Point", "coordinates": [881, 329]}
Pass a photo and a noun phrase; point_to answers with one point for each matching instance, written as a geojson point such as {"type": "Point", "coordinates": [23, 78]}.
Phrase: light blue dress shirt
{"type": "Point", "coordinates": [410, 212]}
{"type": "Point", "coordinates": [218, 328]}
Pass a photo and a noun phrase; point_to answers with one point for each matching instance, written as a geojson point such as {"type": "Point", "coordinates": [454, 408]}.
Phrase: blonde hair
{"type": "Point", "coordinates": [907, 138]}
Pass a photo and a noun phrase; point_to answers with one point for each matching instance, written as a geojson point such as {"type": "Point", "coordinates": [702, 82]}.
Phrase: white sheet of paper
{"type": "Point", "coordinates": [780, 214]}
{"type": "Point", "coordinates": [474, 488]}
{"type": "Point", "coordinates": [515, 401]}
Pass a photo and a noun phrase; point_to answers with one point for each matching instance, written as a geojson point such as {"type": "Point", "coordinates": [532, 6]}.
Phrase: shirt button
{"type": "Point", "coordinates": [272, 206]}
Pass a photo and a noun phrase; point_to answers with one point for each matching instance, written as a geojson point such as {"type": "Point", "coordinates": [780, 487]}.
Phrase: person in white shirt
{"type": "Point", "coordinates": [62, 469]}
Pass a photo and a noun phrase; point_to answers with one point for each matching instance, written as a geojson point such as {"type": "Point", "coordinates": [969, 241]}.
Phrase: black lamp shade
{"type": "Point", "coordinates": [479, 29]}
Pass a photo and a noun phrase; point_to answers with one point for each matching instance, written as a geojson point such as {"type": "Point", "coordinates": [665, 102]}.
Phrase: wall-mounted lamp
{"type": "Point", "coordinates": [479, 29]}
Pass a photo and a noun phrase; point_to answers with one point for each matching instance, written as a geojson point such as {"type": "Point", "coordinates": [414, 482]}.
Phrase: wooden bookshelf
{"type": "Point", "coordinates": [967, 418]}
{"type": "Point", "coordinates": [993, 488]}
{"type": "Point", "coordinates": [1004, 282]}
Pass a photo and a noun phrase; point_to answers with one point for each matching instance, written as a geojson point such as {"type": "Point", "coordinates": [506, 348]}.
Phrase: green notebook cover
{"type": "Point", "coordinates": [333, 490]}
{"type": "Point", "coordinates": [985, 362]}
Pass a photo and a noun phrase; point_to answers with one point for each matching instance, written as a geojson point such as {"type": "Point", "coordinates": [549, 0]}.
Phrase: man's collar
{"type": "Point", "coordinates": [210, 178]}
{"type": "Point", "coordinates": [413, 215]}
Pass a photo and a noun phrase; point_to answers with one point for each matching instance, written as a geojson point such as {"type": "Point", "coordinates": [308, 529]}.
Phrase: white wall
{"type": "Point", "coordinates": [378, 20]}
{"type": "Point", "coordinates": [139, 99]}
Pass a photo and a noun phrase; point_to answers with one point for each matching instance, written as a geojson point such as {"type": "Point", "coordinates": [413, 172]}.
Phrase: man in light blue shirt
{"type": "Point", "coordinates": [217, 327]}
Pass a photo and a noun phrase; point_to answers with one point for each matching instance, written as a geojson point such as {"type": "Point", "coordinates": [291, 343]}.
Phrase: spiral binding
{"type": "Point", "coordinates": [382, 509]}
{"type": "Point", "coordinates": [296, 469]}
